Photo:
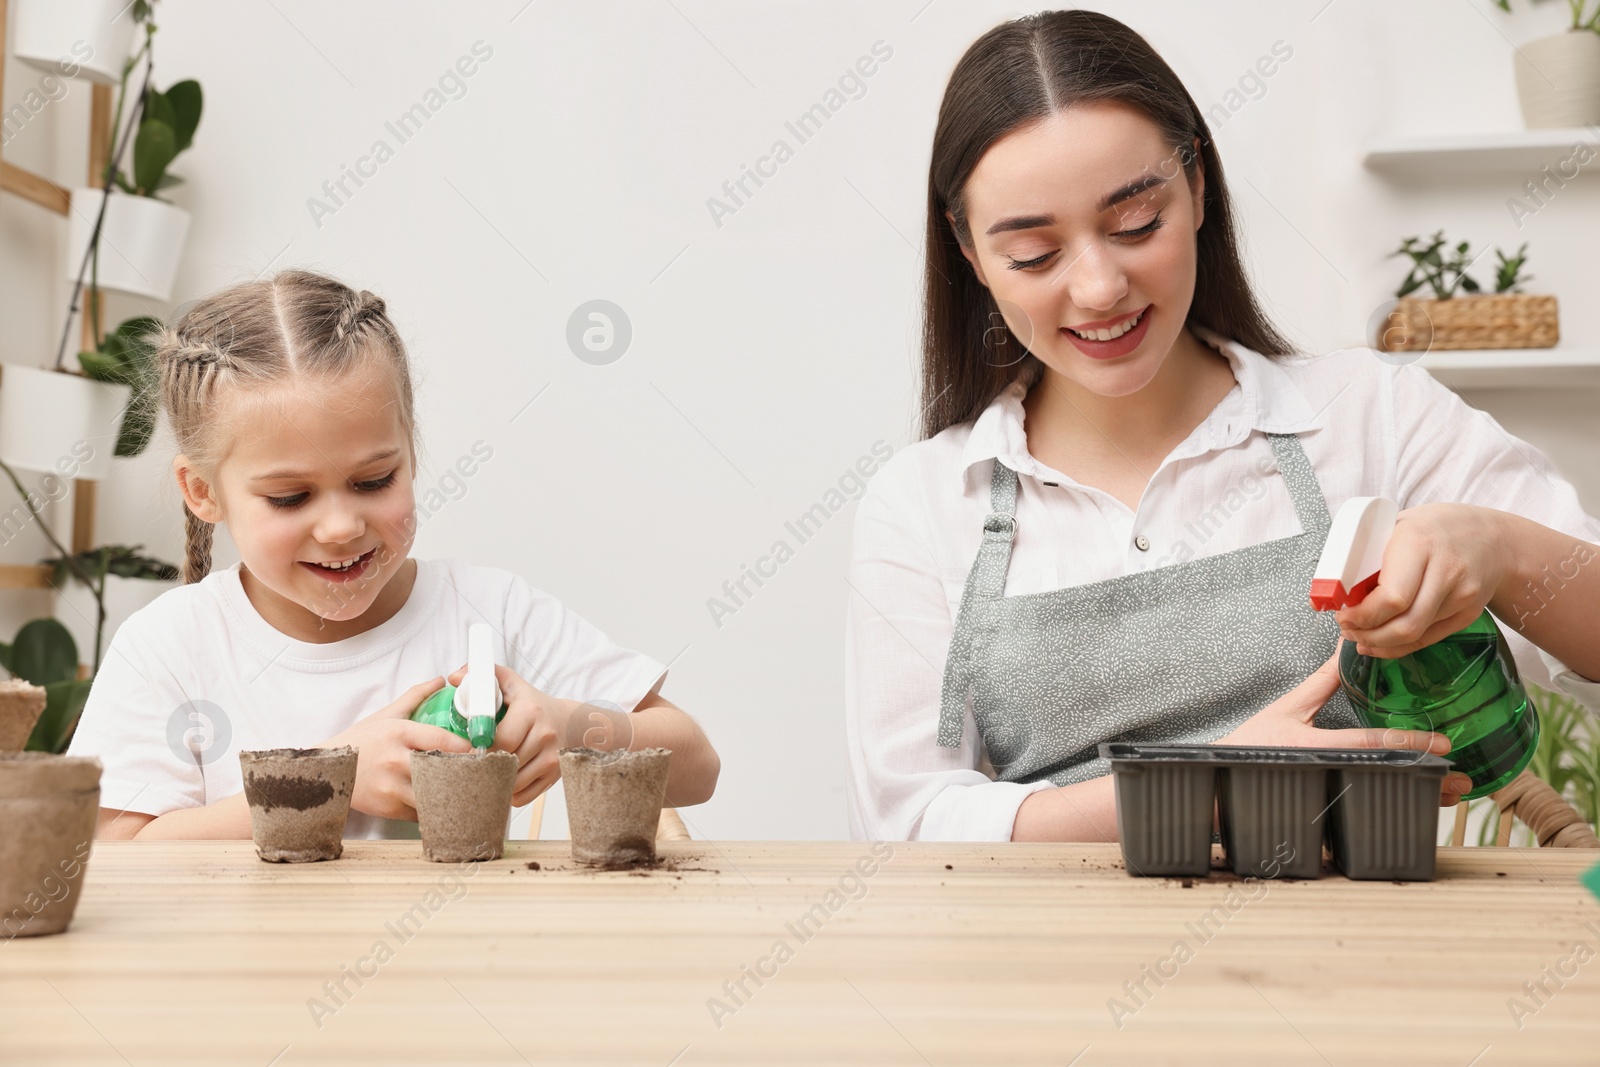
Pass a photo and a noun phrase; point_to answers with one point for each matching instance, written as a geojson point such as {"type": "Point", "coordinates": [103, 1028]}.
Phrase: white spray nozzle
{"type": "Point", "coordinates": [1353, 553]}
{"type": "Point", "coordinates": [478, 696]}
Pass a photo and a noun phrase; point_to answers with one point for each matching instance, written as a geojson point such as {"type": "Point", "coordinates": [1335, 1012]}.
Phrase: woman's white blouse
{"type": "Point", "coordinates": [1370, 428]}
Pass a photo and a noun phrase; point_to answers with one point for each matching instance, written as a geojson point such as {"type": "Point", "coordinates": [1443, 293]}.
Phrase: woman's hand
{"type": "Point", "coordinates": [532, 729]}
{"type": "Point", "coordinates": [1443, 565]}
{"type": "Point", "coordinates": [385, 740]}
{"type": "Point", "coordinates": [1286, 723]}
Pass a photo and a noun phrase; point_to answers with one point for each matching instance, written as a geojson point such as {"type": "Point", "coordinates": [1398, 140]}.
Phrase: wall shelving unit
{"type": "Point", "coordinates": [46, 195]}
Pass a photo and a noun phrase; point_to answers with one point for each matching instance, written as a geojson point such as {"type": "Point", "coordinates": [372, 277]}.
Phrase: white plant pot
{"type": "Point", "coordinates": [59, 36]}
{"type": "Point", "coordinates": [76, 609]}
{"type": "Point", "coordinates": [1558, 80]}
{"type": "Point", "coordinates": [141, 241]}
{"type": "Point", "coordinates": [61, 423]}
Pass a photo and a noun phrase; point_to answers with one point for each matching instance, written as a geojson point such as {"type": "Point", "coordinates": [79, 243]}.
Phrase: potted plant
{"type": "Point", "coordinates": [71, 423]}
{"type": "Point", "coordinates": [59, 422]}
{"type": "Point", "coordinates": [1558, 78]}
{"type": "Point", "coordinates": [44, 654]}
{"type": "Point", "coordinates": [1567, 759]}
{"type": "Point", "coordinates": [143, 232]}
{"type": "Point", "coordinates": [1506, 318]}
{"type": "Point", "coordinates": [108, 584]}
{"type": "Point", "coordinates": [91, 35]}
{"type": "Point", "coordinates": [66, 422]}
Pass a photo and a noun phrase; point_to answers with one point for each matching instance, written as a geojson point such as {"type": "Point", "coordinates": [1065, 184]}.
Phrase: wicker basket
{"type": "Point", "coordinates": [1497, 320]}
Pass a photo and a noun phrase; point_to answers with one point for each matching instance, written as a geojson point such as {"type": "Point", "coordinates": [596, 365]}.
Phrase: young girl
{"type": "Point", "coordinates": [1111, 528]}
{"type": "Point", "coordinates": [291, 402]}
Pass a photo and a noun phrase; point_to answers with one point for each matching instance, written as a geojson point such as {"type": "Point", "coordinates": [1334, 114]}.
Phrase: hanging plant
{"type": "Point", "coordinates": [126, 356]}
{"type": "Point", "coordinates": [166, 130]}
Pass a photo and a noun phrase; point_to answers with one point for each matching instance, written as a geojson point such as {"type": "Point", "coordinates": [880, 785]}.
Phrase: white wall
{"type": "Point", "coordinates": [769, 353]}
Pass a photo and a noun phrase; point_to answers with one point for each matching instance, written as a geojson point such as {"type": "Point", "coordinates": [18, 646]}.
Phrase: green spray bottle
{"type": "Point", "coordinates": [1464, 686]}
{"type": "Point", "coordinates": [455, 709]}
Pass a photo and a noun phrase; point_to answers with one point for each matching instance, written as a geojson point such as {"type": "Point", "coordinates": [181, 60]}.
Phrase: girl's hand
{"type": "Point", "coordinates": [534, 724]}
{"type": "Point", "coordinates": [385, 740]}
{"type": "Point", "coordinates": [1442, 566]}
{"type": "Point", "coordinates": [1286, 723]}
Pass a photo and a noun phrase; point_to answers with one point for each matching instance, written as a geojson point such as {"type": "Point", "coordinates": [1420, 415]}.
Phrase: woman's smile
{"type": "Point", "coordinates": [1112, 342]}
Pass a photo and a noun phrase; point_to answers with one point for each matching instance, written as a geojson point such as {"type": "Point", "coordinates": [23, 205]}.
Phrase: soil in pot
{"type": "Point", "coordinates": [614, 803]}
{"type": "Point", "coordinates": [463, 803]}
{"type": "Point", "coordinates": [48, 806]}
{"type": "Point", "coordinates": [21, 704]}
{"type": "Point", "coordinates": [299, 801]}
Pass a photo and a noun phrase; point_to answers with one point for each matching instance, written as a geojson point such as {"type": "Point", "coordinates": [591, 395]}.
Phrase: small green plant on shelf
{"type": "Point", "coordinates": [1581, 20]}
{"type": "Point", "coordinates": [1508, 276]}
{"type": "Point", "coordinates": [1567, 759]}
{"type": "Point", "coordinates": [1443, 269]}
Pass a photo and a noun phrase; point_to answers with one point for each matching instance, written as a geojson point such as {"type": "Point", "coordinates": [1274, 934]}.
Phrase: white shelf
{"type": "Point", "coordinates": [1515, 368]}
{"type": "Point", "coordinates": [1521, 151]}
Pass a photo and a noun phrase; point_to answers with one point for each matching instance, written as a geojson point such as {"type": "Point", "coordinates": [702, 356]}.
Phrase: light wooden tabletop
{"type": "Point", "coordinates": [198, 953]}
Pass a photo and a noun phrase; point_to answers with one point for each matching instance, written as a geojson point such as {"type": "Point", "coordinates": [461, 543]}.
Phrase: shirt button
{"type": "Point", "coordinates": [1142, 542]}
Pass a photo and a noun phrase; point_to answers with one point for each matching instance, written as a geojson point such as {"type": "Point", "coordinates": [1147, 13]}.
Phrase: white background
{"type": "Point", "coordinates": [769, 353]}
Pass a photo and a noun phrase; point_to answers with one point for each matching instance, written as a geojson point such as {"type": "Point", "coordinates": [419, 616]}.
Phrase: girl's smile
{"type": "Point", "coordinates": [342, 570]}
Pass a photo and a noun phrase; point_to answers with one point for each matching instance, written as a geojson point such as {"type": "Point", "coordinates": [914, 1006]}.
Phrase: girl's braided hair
{"type": "Point", "coordinates": [261, 333]}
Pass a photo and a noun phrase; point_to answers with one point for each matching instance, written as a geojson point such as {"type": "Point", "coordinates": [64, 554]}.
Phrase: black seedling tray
{"type": "Point", "coordinates": [1377, 808]}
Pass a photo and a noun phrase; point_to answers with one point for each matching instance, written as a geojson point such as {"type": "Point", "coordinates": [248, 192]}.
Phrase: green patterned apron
{"type": "Point", "coordinates": [1176, 654]}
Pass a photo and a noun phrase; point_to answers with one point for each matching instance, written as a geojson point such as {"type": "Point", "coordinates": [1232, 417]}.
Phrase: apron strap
{"type": "Point", "coordinates": [985, 581]}
{"type": "Point", "coordinates": [1310, 506]}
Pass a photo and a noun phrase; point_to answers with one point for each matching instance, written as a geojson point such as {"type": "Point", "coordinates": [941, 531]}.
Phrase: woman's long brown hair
{"type": "Point", "coordinates": [1018, 73]}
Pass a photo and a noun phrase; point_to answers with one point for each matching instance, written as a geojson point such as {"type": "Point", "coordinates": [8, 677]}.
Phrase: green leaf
{"type": "Point", "coordinates": [122, 560]}
{"type": "Point", "coordinates": [139, 335]}
{"type": "Point", "coordinates": [1468, 284]}
{"type": "Point", "coordinates": [139, 327]}
{"type": "Point", "coordinates": [44, 652]}
{"type": "Point", "coordinates": [153, 149]}
{"type": "Point", "coordinates": [159, 108]}
{"type": "Point", "coordinates": [138, 422]}
{"type": "Point", "coordinates": [127, 357]}
{"type": "Point", "coordinates": [63, 705]}
{"type": "Point", "coordinates": [100, 367]}
{"type": "Point", "coordinates": [184, 100]}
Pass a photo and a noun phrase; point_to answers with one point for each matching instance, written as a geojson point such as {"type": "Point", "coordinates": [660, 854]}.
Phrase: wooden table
{"type": "Point", "coordinates": [198, 953]}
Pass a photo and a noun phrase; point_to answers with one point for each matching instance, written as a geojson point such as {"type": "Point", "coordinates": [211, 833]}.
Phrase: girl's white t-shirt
{"type": "Point", "coordinates": [198, 676]}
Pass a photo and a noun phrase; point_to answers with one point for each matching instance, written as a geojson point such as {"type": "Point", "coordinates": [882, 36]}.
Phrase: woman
{"type": "Point", "coordinates": [1127, 478]}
